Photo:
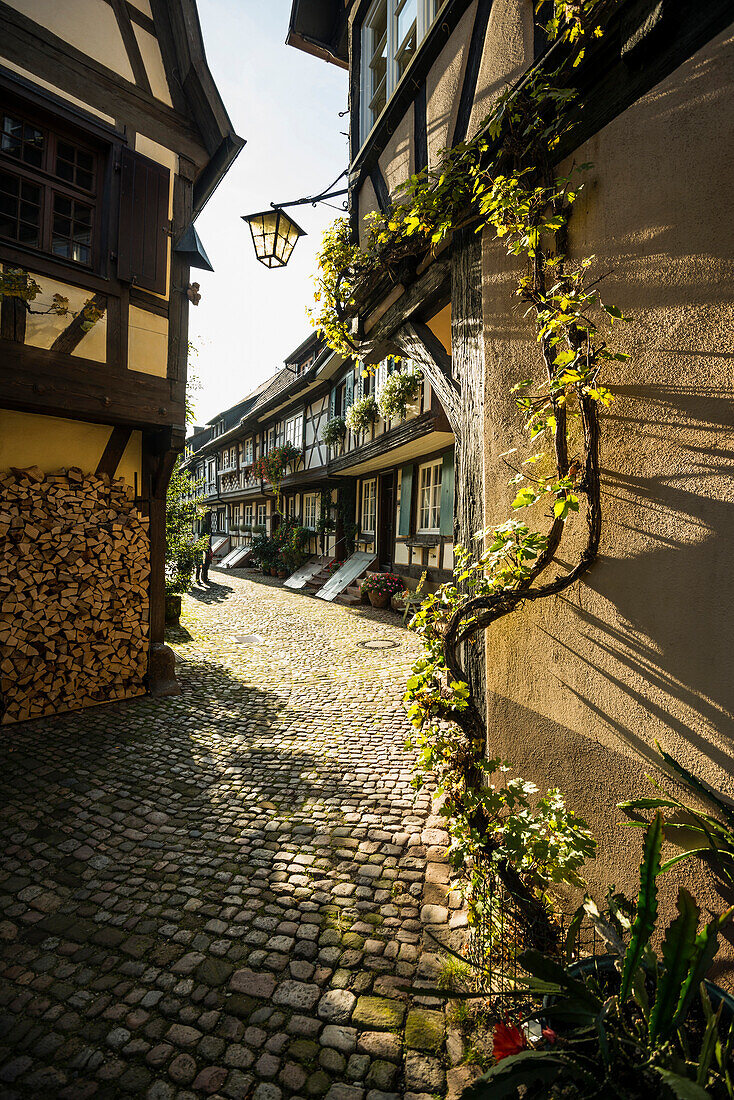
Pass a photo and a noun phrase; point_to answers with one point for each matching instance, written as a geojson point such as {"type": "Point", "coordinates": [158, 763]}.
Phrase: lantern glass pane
{"type": "Point", "coordinates": [273, 236]}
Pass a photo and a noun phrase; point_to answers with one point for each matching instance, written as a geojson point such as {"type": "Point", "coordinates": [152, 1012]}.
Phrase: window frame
{"type": "Point", "coordinates": [432, 488]}
{"type": "Point", "coordinates": [426, 11]}
{"type": "Point", "coordinates": [262, 515]}
{"type": "Point", "coordinates": [368, 507]}
{"type": "Point", "coordinates": [310, 512]}
{"type": "Point", "coordinates": [55, 131]}
{"type": "Point", "coordinates": [291, 424]}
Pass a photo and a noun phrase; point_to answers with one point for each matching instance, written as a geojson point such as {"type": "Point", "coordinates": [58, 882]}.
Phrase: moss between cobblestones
{"type": "Point", "coordinates": [303, 1050]}
{"type": "Point", "coordinates": [424, 1030]}
{"type": "Point", "coordinates": [378, 1013]}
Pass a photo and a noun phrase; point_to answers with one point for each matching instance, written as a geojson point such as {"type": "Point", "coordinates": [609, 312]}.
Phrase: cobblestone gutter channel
{"type": "Point", "coordinates": [227, 893]}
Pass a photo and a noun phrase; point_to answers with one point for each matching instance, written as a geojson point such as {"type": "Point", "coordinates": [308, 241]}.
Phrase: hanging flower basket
{"type": "Point", "coordinates": [334, 431]}
{"type": "Point", "coordinates": [362, 414]}
{"type": "Point", "coordinates": [397, 393]}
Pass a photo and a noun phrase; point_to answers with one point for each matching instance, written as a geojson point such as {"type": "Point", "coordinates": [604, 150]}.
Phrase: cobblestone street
{"type": "Point", "coordinates": [227, 893]}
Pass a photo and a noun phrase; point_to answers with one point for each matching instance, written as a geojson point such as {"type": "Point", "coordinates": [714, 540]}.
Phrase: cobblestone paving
{"type": "Point", "coordinates": [227, 893]}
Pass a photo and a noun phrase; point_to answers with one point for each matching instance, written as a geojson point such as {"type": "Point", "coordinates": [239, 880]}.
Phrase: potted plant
{"type": "Point", "coordinates": [631, 1024]}
{"type": "Point", "coordinates": [397, 392]}
{"type": "Point", "coordinates": [381, 587]}
{"type": "Point", "coordinates": [334, 431]}
{"type": "Point", "coordinates": [361, 414]}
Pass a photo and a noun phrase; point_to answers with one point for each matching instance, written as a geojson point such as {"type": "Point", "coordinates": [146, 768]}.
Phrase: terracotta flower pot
{"type": "Point", "coordinates": [273, 572]}
{"type": "Point", "coordinates": [379, 599]}
{"type": "Point", "coordinates": [283, 574]}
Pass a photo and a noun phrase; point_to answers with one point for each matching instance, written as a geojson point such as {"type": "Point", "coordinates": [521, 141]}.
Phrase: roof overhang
{"type": "Point", "coordinates": [319, 27]}
{"type": "Point", "coordinates": [182, 45]}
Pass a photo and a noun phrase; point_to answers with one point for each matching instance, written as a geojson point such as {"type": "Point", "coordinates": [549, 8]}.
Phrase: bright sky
{"type": "Point", "coordinates": [286, 105]}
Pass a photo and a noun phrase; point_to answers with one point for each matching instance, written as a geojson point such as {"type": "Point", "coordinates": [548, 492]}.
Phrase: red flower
{"type": "Point", "coordinates": [507, 1040]}
{"type": "Point", "coordinates": [549, 1035]}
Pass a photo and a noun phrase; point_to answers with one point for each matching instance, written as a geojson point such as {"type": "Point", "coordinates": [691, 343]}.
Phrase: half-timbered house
{"type": "Point", "coordinates": [113, 137]}
{"type": "Point", "coordinates": [387, 490]}
{"type": "Point", "coordinates": [579, 687]}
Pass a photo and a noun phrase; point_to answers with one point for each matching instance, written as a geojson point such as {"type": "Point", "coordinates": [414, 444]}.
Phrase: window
{"type": "Point", "coordinates": [391, 34]}
{"type": "Point", "coordinates": [294, 430]}
{"type": "Point", "coordinates": [48, 190]}
{"type": "Point", "coordinates": [262, 515]}
{"type": "Point", "coordinates": [248, 515]}
{"type": "Point", "coordinates": [369, 506]}
{"type": "Point", "coordinates": [310, 510]}
{"type": "Point", "coordinates": [248, 452]}
{"type": "Point", "coordinates": [340, 399]}
{"type": "Point", "coordinates": [429, 497]}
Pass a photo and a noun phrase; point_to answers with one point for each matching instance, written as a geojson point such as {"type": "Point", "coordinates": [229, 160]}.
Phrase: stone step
{"type": "Point", "coordinates": [348, 600]}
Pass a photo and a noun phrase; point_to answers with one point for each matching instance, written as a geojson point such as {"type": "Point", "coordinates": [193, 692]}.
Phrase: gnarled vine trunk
{"type": "Point", "coordinates": [467, 357]}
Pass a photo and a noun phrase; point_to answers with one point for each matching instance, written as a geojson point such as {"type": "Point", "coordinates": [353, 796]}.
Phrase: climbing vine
{"type": "Point", "coordinates": [502, 181]}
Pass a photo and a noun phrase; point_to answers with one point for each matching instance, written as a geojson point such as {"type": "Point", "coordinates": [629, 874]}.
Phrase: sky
{"type": "Point", "coordinates": [286, 105]}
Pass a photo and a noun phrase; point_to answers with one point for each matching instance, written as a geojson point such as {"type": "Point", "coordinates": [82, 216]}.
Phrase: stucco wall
{"type": "Point", "coordinates": [54, 443]}
{"type": "Point", "coordinates": [581, 685]}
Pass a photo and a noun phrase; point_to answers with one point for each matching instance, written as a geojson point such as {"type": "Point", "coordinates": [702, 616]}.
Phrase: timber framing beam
{"type": "Point", "coordinates": [42, 52]}
{"type": "Point", "coordinates": [40, 381]}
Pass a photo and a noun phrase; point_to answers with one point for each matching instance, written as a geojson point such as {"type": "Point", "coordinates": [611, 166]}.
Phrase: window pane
{"type": "Point", "coordinates": [19, 221]}
{"type": "Point", "coordinates": [74, 165]}
{"type": "Point", "coordinates": [22, 141]}
{"type": "Point", "coordinates": [406, 16]}
{"type": "Point", "coordinates": [72, 232]}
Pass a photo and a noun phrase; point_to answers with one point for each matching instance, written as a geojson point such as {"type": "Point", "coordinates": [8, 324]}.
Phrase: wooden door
{"type": "Point", "coordinates": [385, 521]}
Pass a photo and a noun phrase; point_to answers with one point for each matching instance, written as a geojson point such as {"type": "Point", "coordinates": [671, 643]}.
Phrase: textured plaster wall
{"type": "Point", "coordinates": [90, 25]}
{"type": "Point", "coordinates": [508, 50]}
{"type": "Point", "coordinates": [443, 87]}
{"type": "Point", "coordinates": [581, 685]}
{"type": "Point", "coordinates": [54, 443]}
{"type": "Point", "coordinates": [398, 160]}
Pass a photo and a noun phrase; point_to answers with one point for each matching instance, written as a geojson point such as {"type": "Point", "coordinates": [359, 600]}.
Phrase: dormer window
{"type": "Point", "coordinates": [391, 35]}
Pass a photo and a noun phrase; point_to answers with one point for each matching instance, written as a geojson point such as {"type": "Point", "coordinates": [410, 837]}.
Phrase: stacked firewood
{"type": "Point", "coordinates": [74, 565]}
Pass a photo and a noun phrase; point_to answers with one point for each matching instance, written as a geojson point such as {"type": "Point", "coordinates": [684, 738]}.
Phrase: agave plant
{"type": "Point", "coordinates": [630, 1024]}
{"type": "Point", "coordinates": [714, 836]}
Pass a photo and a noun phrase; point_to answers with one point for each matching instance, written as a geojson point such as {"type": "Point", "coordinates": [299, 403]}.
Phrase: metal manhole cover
{"type": "Point", "coordinates": [249, 639]}
{"type": "Point", "coordinates": [378, 643]}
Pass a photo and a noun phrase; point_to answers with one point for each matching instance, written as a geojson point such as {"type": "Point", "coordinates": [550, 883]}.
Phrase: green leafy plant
{"type": "Point", "coordinates": [334, 431]}
{"type": "Point", "coordinates": [397, 392]}
{"type": "Point", "coordinates": [293, 551]}
{"type": "Point", "coordinates": [631, 1024]}
{"type": "Point", "coordinates": [182, 545]}
{"type": "Point", "coordinates": [713, 836]}
{"type": "Point", "coordinates": [263, 550]}
{"type": "Point", "coordinates": [362, 414]}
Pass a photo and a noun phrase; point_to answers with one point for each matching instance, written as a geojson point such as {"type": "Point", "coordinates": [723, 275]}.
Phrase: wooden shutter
{"type": "Point", "coordinates": [447, 495]}
{"type": "Point", "coordinates": [349, 391]}
{"type": "Point", "coordinates": [406, 495]}
{"type": "Point", "coordinates": [142, 250]}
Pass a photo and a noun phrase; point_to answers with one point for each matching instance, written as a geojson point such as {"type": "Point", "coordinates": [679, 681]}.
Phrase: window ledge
{"type": "Point", "coordinates": [424, 539]}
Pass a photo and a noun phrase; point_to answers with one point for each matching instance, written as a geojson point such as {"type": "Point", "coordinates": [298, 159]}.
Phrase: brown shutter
{"type": "Point", "coordinates": [143, 245]}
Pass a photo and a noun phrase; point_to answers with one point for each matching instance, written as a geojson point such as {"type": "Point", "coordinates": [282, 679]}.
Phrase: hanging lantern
{"type": "Point", "coordinates": [274, 235]}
